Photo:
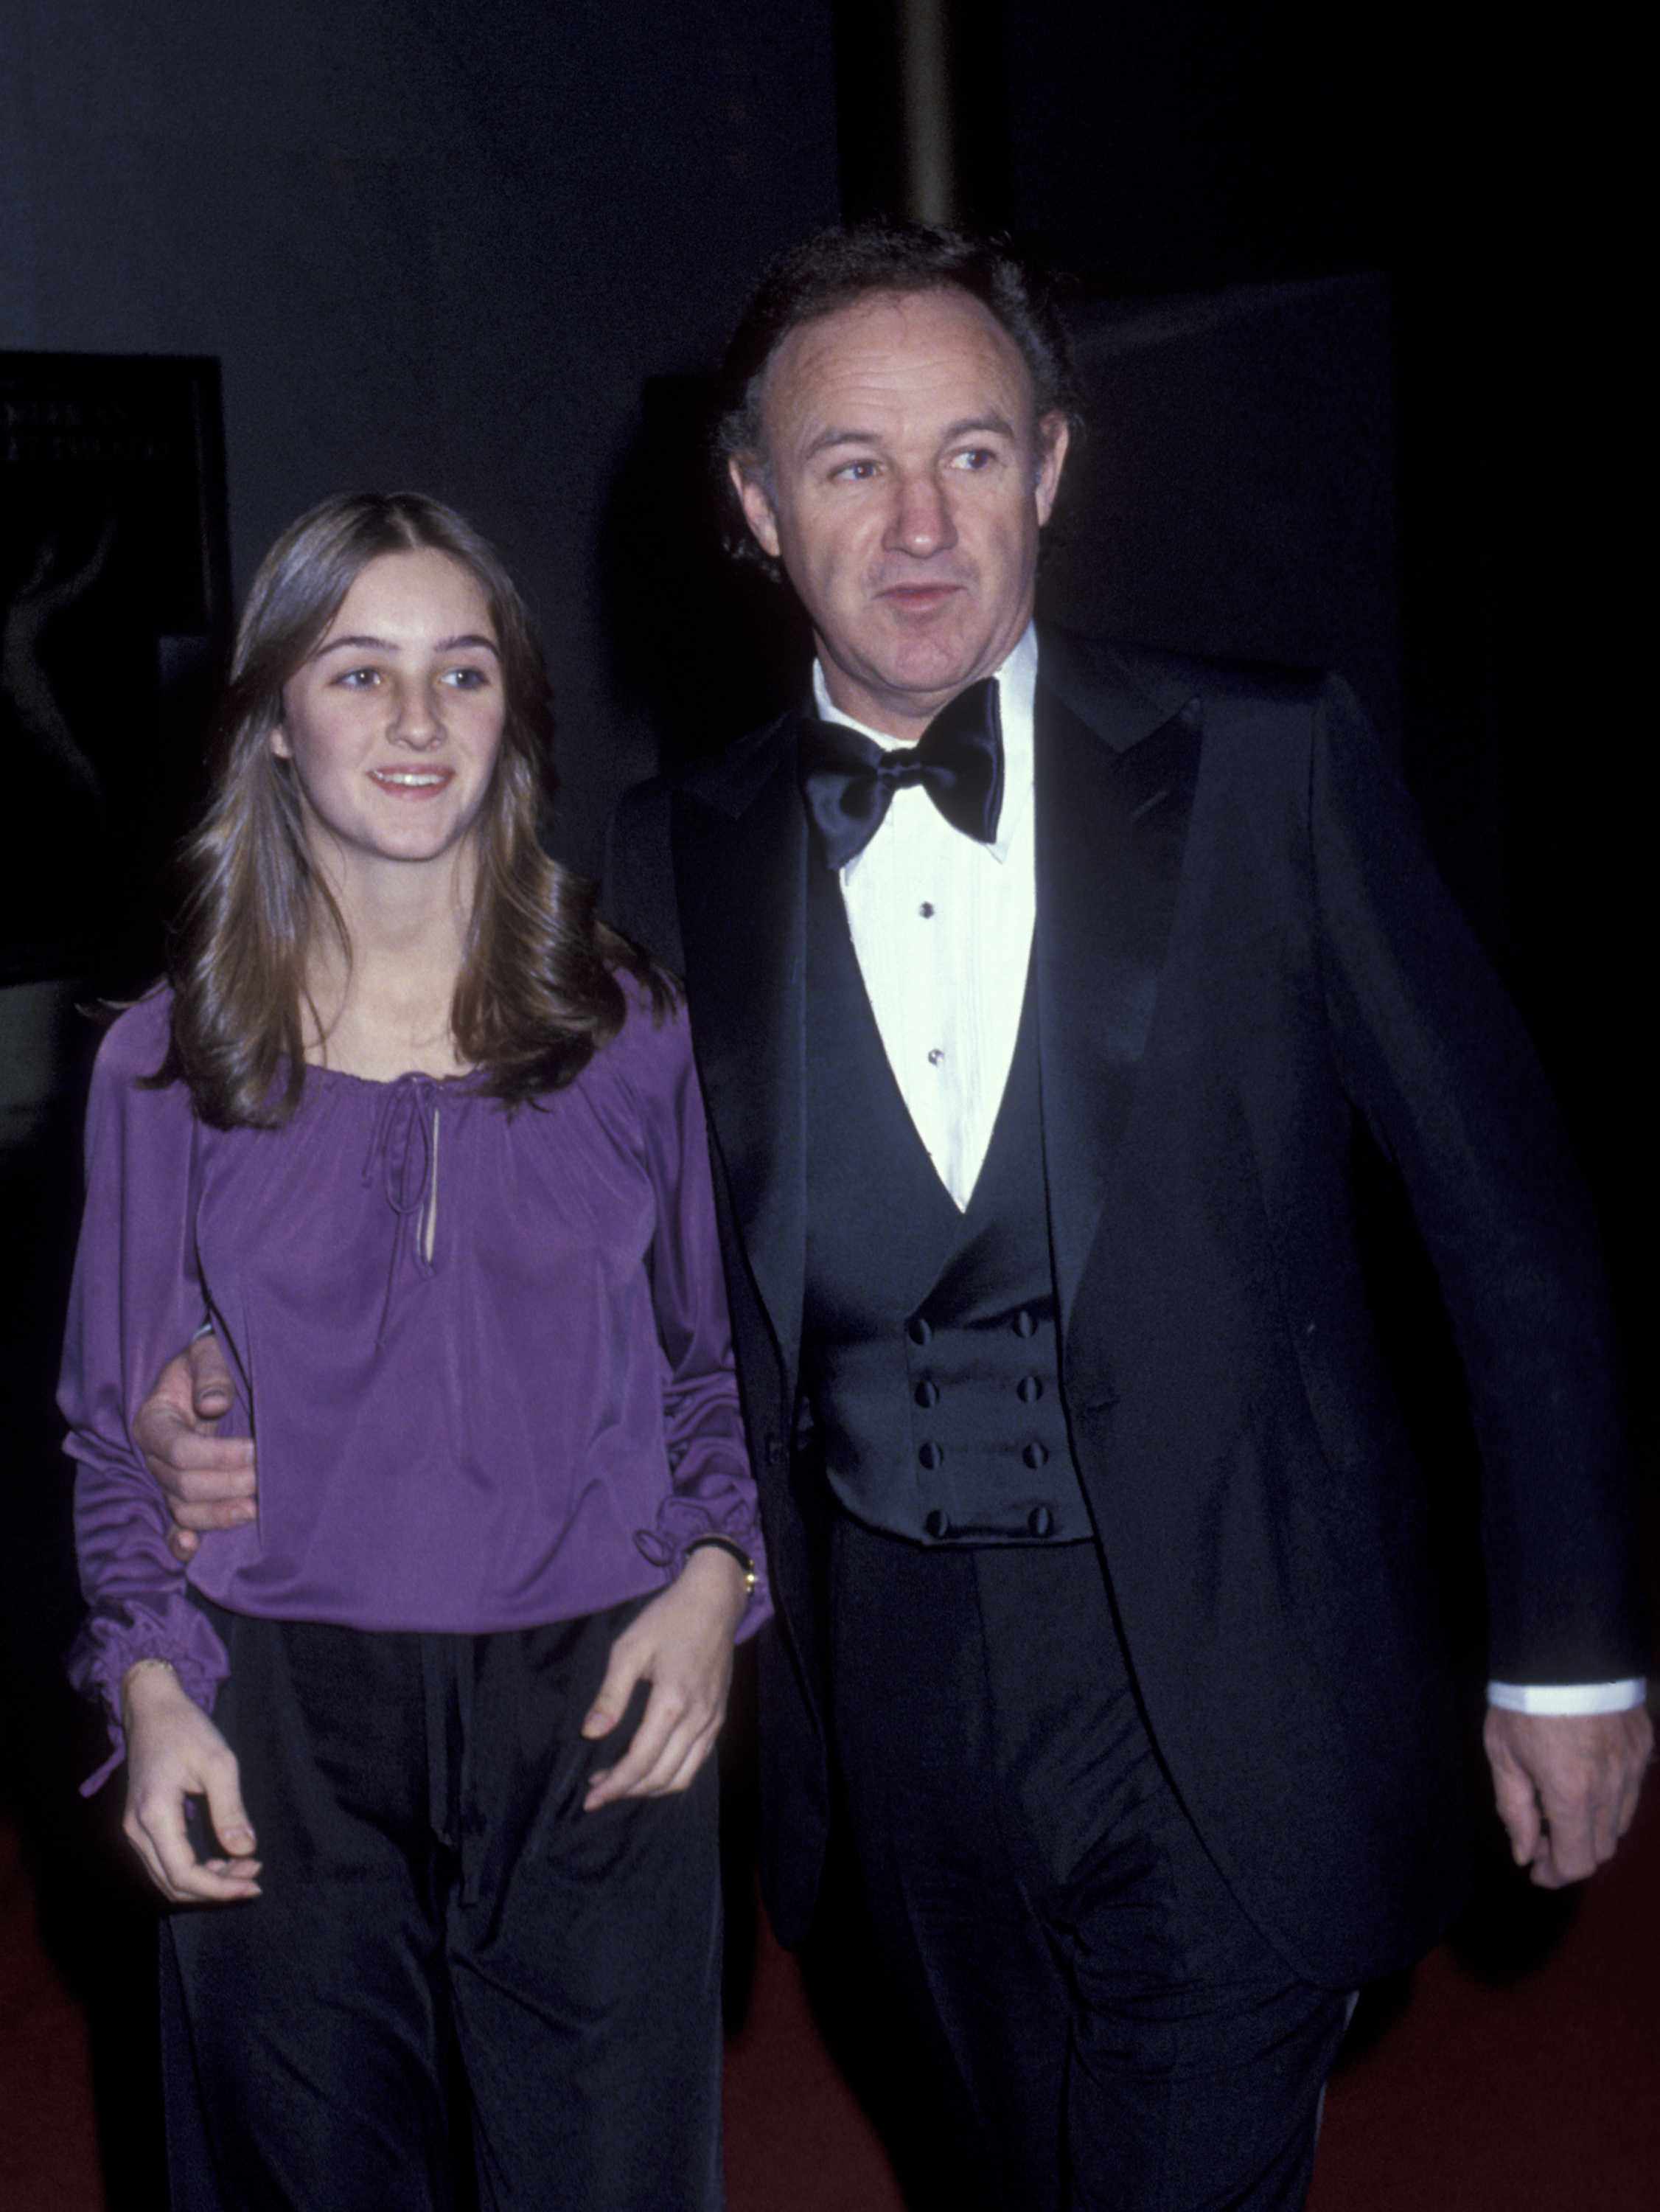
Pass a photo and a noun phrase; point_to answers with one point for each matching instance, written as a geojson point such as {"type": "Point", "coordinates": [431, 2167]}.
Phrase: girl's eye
{"type": "Point", "coordinates": [467, 679]}
{"type": "Point", "coordinates": [358, 679]}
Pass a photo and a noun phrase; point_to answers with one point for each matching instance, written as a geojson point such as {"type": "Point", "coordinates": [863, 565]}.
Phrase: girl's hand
{"type": "Point", "coordinates": [174, 1753]}
{"type": "Point", "coordinates": [681, 1644]}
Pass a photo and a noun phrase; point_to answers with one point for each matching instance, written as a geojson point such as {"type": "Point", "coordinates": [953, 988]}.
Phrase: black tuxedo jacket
{"type": "Point", "coordinates": [1242, 952]}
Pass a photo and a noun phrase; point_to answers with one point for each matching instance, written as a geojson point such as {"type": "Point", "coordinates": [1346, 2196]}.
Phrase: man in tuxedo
{"type": "Point", "coordinates": [1041, 993]}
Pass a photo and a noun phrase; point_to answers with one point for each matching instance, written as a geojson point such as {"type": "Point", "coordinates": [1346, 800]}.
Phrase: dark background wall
{"type": "Point", "coordinates": [435, 245]}
{"type": "Point", "coordinates": [481, 251]}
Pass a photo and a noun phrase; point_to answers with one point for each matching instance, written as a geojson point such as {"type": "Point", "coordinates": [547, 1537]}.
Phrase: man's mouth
{"type": "Point", "coordinates": [919, 598]}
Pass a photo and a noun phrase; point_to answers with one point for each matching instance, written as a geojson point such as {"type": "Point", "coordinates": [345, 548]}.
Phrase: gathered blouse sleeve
{"type": "Point", "coordinates": [135, 1300]}
{"type": "Point", "coordinates": [712, 1491]}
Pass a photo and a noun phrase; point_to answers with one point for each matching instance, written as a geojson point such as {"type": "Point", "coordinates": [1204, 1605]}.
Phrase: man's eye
{"type": "Point", "coordinates": [974, 458]}
{"type": "Point", "coordinates": [854, 472]}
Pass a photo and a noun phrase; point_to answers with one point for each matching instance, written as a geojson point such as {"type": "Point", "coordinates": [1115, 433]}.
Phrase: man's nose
{"type": "Point", "coordinates": [920, 523]}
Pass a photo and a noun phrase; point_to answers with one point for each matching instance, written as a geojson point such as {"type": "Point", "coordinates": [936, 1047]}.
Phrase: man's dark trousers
{"type": "Point", "coordinates": [1106, 2029]}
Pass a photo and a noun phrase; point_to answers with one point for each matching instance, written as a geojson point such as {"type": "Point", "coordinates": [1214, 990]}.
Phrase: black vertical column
{"type": "Point", "coordinates": [922, 128]}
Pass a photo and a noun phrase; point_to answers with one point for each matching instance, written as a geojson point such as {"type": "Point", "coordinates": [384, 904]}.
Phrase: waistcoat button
{"type": "Point", "coordinates": [1041, 1521]}
{"type": "Point", "coordinates": [931, 1456]}
{"type": "Point", "coordinates": [1035, 1454]}
{"type": "Point", "coordinates": [937, 1524]}
{"type": "Point", "coordinates": [1030, 1388]}
{"type": "Point", "coordinates": [1024, 1323]}
{"type": "Point", "coordinates": [927, 1394]}
{"type": "Point", "coordinates": [918, 1329]}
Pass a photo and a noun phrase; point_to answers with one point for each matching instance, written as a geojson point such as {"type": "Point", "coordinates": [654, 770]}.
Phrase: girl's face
{"type": "Point", "coordinates": [394, 723]}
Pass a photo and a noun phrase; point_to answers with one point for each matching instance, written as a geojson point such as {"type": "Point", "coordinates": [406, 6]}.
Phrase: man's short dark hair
{"type": "Point", "coordinates": [836, 267]}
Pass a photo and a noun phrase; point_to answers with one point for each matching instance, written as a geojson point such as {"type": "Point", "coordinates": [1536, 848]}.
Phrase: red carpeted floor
{"type": "Point", "coordinates": [1518, 2072]}
{"type": "Point", "coordinates": [49, 2158]}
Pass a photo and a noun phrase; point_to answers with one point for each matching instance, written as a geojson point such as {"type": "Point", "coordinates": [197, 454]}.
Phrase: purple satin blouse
{"type": "Point", "coordinates": [486, 1356]}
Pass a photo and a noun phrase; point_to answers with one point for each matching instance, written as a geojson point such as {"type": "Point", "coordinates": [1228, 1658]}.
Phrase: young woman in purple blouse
{"type": "Point", "coordinates": [427, 1743]}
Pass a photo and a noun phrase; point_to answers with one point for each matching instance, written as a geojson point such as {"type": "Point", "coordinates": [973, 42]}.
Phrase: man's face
{"type": "Point", "coordinates": [903, 485]}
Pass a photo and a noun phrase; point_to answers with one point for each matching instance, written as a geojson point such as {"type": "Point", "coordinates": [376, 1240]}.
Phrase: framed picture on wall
{"type": "Point", "coordinates": [114, 603]}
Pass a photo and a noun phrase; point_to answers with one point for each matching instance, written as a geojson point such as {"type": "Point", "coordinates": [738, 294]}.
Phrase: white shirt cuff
{"type": "Point", "coordinates": [1569, 1698]}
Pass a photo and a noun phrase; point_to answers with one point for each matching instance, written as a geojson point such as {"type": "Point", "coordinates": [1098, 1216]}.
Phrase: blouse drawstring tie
{"type": "Point", "coordinates": [403, 1146]}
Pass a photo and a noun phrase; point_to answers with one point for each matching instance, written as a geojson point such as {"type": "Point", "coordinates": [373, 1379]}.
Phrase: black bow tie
{"type": "Point", "coordinates": [849, 781]}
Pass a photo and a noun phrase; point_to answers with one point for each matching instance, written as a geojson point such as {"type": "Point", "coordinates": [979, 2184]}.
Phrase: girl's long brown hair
{"type": "Point", "coordinates": [537, 994]}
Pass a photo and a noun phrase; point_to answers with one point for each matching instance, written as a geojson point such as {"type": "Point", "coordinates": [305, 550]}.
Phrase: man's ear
{"type": "Point", "coordinates": [1053, 435]}
{"type": "Point", "coordinates": [757, 507]}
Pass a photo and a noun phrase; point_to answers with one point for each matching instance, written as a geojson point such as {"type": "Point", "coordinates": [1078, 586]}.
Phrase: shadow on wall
{"type": "Point", "coordinates": [702, 646]}
{"type": "Point", "coordinates": [1233, 493]}
{"type": "Point", "coordinates": [113, 599]}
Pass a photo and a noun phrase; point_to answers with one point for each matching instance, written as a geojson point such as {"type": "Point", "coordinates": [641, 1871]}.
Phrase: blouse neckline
{"type": "Point", "coordinates": [473, 1080]}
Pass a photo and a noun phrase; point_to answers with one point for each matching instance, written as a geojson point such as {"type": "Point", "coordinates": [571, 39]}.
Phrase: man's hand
{"type": "Point", "coordinates": [208, 1481]}
{"type": "Point", "coordinates": [681, 1644]}
{"type": "Point", "coordinates": [175, 1753]}
{"type": "Point", "coordinates": [1566, 1786]}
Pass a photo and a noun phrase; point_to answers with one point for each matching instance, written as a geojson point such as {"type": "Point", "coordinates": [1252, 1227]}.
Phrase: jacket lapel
{"type": "Point", "coordinates": [1115, 775]}
{"type": "Point", "coordinates": [740, 854]}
